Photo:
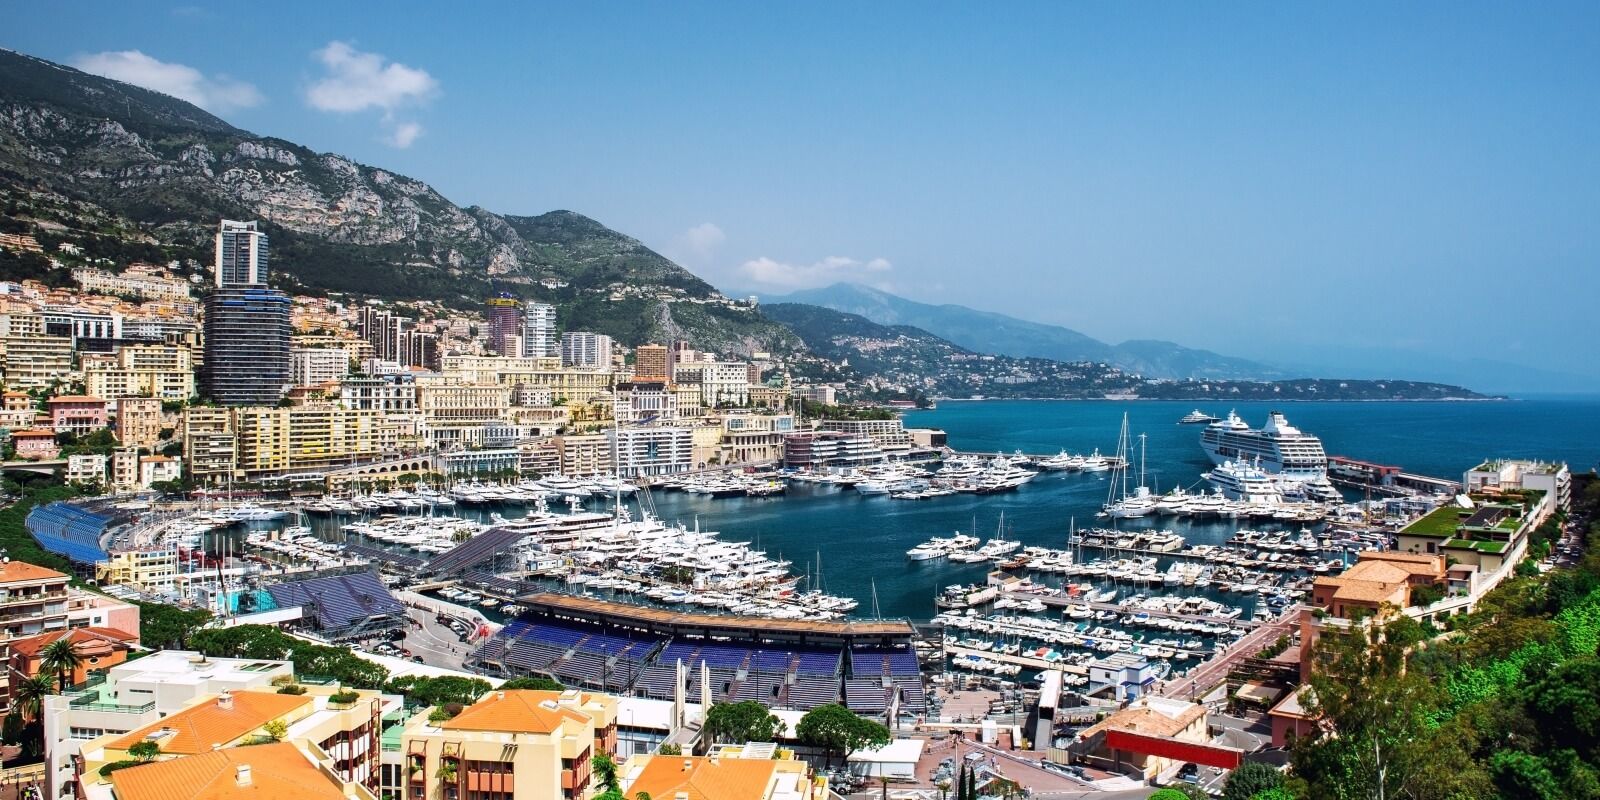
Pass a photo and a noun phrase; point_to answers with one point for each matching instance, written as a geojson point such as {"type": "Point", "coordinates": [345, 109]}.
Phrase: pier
{"type": "Point", "coordinates": [1062, 602]}
{"type": "Point", "coordinates": [1027, 662]}
{"type": "Point", "coordinates": [1200, 680]}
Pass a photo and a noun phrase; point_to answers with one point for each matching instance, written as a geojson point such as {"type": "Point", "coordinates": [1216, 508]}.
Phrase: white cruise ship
{"type": "Point", "coordinates": [1287, 452]}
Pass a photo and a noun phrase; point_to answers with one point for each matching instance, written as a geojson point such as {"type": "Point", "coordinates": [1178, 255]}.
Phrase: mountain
{"type": "Point", "coordinates": [907, 360]}
{"type": "Point", "coordinates": [77, 150]}
{"type": "Point", "coordinates": [988, 332]}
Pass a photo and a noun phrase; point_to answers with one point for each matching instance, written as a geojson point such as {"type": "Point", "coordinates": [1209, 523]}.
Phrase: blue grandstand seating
{"type": "Point", "coordinates": [69, 531]}
{"type": "Point", "coordinates": [339, 601]}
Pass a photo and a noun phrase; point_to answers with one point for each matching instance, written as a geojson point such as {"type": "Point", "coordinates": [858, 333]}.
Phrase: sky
{"type": "Point", "coordinates": [1293, 182]}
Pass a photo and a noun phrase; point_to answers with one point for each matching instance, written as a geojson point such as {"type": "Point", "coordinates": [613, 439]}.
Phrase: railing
{"type": "Point", "coordinates": [86, 703]}
{"type": "Point", "coordinates": [9, 599]}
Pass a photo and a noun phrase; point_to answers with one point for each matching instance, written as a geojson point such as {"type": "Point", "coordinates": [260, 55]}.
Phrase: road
{"type": "Point", "coordinates": [437, 644]}
{"type": "Point", "coordinates": [1216, 670]}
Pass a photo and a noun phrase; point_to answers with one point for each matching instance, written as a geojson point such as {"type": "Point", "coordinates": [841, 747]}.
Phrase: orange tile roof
{"type": "Point", "coordinates": [1148, 721]}
{"type": "Point", "coordinates": [277, 772]}
{"type": "Point", "coordinates": [198, 727]}
{"type": "Point", "coordinates": [34, 644]}
{"type": "Point", "coordinates": [725, 779]}
{"type": "Point", "coordinates": [33, 433]}
{"type": "Point", "coordinates": [519, 710]}
{"type": "Point", "coordinates": [23, 571]}
{"type": "Point", "coordinates": [75, 398]}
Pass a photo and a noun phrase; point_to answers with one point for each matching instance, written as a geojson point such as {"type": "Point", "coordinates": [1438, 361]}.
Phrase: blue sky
{"type": "Point", "coordinates": [1297, 182]}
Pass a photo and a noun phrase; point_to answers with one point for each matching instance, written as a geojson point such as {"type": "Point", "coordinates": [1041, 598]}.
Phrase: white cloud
{"type": "Point", "coordinates": [219, 93]}
{"type": "Point", "coordinates": [357, 81]}
{"type": "Point", "coordinates": [832, 269]}
{"type": "Point", "coordinates": [404, 134]}
{"type": "Point", "coordinates": [703, 239]}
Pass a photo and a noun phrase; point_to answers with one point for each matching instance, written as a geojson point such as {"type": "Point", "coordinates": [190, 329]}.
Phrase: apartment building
{"type": "Point", "coordinates": [754, 437]}
{"type": "Point", "coordinates": [1508, 474]}
{"type": "Point", "coordinates": [209, 443]}
{"type": "Point", "coordinates": [585, 350]}
{"type": "Point", "coordinates": [585, 454]}
{"type": "Point", "coordinates": [311, 366]}
{"type": "Point", "coordinates": [275, 441]}
{"type": "Point", "coordinates": [87, 469]}
{"type": "Point", "coordinates": [389, 395]}
{"type": "Point", "coordinates": [33, 600]}
{"type": "Point", "coordinates": [754, 771]}
{"type": "Point", "coordinates": [650, 363]}
{"type": "Point", "coordinates": [141, 370]}
{"type": "Point", "coordinates": [582, 386]}
{"type": "Point", "coordinates": [512, 744]}
{"type": "Point", "coordinates": [889, 434]}
{"type": "Point", "coordinates": [652, 451]}
{"type": "Point", "coordinates": [723, 384]}
{"type": "Point", "coordinates": [34, 360]}
{"type": "Point", "coordinates": [144, 281]}
{"type": "Point", "coordinates": [139, 421]}
{"type": "Point", "coordinates": [151, 569]}
{"type": "Point", "coordinates": [76, 413]}
{"type": "Point", "coordinates": [644, 402]}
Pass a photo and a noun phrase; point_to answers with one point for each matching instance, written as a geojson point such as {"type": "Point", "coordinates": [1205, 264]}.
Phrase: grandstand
{"type": "Point", "coordinates": [628, 649]}
{"type": "Point", "coordinates": [70, 531]}
{"type": "Point", "coordinates": [342, 606]}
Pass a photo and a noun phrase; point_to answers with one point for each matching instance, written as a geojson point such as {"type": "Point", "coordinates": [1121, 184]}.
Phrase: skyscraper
{"type": "Point", "coordinates": [539, 338]}
{"type": "Point", "coordinates": [246, 324]}
{"type": "Point", "coordinates": [241, 255]}
{"type": "Point", "coordinates": [247, 346]}
{"type": "Point", "coordinates": [585, 349]}
{"type": "Point", "coordinates": [505, 323]}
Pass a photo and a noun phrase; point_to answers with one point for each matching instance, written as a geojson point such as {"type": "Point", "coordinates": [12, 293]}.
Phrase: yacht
{"type": "Point", "coordinates": [1277, 448]}
{"type": "Point", "coordinates": [1096, 462]}
{"type": "Point", "coordinates": [1197, 417]}
{"type": "Point", "coordinates": [1238, 480]}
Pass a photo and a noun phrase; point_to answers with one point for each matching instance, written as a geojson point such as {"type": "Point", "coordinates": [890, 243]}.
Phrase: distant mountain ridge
{"type": "Point", "coordinates": [990, 332]}
{"type": "Point", "coordinates": [69, 139]}
{"type": "Point", "coordinates": [905, 359]}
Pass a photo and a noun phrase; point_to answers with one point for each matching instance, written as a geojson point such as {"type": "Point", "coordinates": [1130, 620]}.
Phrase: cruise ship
{"type": "Point", "coordinates": [1287, 452]}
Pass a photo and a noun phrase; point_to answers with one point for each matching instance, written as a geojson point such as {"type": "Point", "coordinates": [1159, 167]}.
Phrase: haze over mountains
{"type": "Point", "coordinates": [991, 332]}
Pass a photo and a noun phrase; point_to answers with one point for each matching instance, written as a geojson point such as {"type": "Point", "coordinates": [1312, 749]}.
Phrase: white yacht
{"type": "Point", "coordinates": [1238, 480]}
{"type": "Point", "coordinates": [1277, 448]}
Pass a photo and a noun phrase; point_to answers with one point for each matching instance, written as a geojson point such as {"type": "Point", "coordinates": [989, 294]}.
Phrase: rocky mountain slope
{"type": "Point", "coordinates": [988, 332]}
{"type": "Point", "coordinates": [171, 169]}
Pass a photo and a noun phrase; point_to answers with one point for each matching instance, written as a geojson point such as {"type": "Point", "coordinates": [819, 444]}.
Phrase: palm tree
{"type": "Point", "coordinates": [60, 658]}
{"type": "Point", "coordinates": [30, 693]}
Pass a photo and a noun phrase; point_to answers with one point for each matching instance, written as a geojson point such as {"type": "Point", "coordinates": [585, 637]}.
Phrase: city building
{"type": "Point", "coordinates": [241, 258]}
{"type": "Point", "coordinates": [158, 469]}
{"type": "Point", "coordinates": [97, 649]}
{"type": "Point", "coordinates": [653, 451]}
{"type": "Point", "coordinates": [512, 744]}
{"type": "Point", "coordinates": [86, 469]}
{"type": "Point", "coordinates": [419, 349]}
{"type": "Point", "coordinates": [35, 444]}
{"type": "Point", "coordinates": [382, 330]}
{"type": "Point", "coordinates": [33, 600]}
{"type": "Point", "coordinates": [317, 366]}
{"type": "Point", "coordinates": [723, 384]}
{"type": "Point", "coordinates": [76, 414]}
{"type": "Point", "coordinates": [389, 394]}
{"type": "Point", "coordinates": [34, 360]}
{"type": "Point", "coordinates": [586, 454]}
{"type": "Point", "coordinates": [151, 569]}
{"type": "Point", "coordinates": [585, 350]}
{"type": "Point", "coordinates": [276, 441]}
{"type": "Point", "coordinates": [139, 421]}
{"type": "Point", "coordinates": [539, 337]}
{"type": "Point", "coordinates": [1151, 739]}
{"type": "Point", "coordinates": [276, 771]}
{"type": "Point", "coordinates": [750, 438]}
{"type": "Point", "coordinates": [650, 363]}
{"type": "Point", "coordinates": [246, 346]}
{"type": "Point", "coordinates": [825, 395]}
{"type": "Point", "coordinates": [1506, 475]}
{"type": "Point", "coordinates": [504, 324]}
{"type": "Point", "coordinates": [643, 403]}
{"type": "Point", "coordinates": [889, 434]}
{"type": "Point", "coordinates": [144, 281]}
{"type": "Point", "coordinates": [1375, 580]}
{"type": "Point", "coordinates": [209, 444]}
{"type": "Point", "coordinates": [824, 449]}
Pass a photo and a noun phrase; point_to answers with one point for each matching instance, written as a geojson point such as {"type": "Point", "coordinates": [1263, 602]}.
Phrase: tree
{"type": "Point", "coordinates": [1182, 792]}
{"type": "Point", "coordinates": [837, 729]}
{"type": "Point", "coordinates": [431, 691]}
{"type": "Point", "coordinates": [1250, 779]}
{"type": "Point", "coordinates": [144, 750]}
{"type": "Point", "coordinates": [605, 773]}
{"type": "Point", "coordinates": [276, 730]}
{"type": "Point", "coordinates": [165, 626]}
{"type": "Point", "coordinates": [746, 721]}
{"type": "Point", "coordinates": [669, 749]}
{"type": "Point", "coordinates": [29, 694]}
{"type": "Point", "coordinates": [60, 658]}
{"type": "Point", "coordinates": [536, 682]}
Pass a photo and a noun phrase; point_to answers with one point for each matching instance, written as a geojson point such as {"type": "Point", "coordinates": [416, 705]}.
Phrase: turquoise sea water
{"type": "Point", "coordinates": [862, 540]}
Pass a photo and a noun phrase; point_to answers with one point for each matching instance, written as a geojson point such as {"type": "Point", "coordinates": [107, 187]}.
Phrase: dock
{"type": "Point", "coordinates": [1200, 680]}
{"type": "Point", "coordinates": [1062, 602]}
{"type": "Point", "coordinates": [1027, 662]}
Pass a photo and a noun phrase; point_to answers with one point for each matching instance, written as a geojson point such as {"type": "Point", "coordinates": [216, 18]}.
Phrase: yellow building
{"type": "Point", "coordinates": [141, 370]}
{"type": "Point", "coordinates": [138, 420]}
{"type": "Point", "coordinates": [750, 772]}
{"type": "Point", "coordinates": [153, 569]}
{"type": "Point", "coordinates": [583, 386]}
{"type": "Point", "coordinates": [209, 444]}
{"type": "Point", "coordinates": [256, 441]}
{"type": "Point", "coordinates": [511, 744]}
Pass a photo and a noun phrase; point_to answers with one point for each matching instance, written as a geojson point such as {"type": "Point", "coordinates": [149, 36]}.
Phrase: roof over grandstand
{"type": "Point", "coordinates": [671, 622]}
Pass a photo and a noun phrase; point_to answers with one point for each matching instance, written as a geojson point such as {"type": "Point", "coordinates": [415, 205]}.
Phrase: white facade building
{"type": "Point", "coordinates": [644, 452]}
{"type": "Point", "coordinates": [314, 366]}
{"type": "Point", "coordinates": [586, 350]}
{"type": "Point", "coordinates": [539, 338]}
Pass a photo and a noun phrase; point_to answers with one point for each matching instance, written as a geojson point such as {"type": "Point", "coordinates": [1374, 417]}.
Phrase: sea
{"type": "Point", "coordinates": [855, 545]}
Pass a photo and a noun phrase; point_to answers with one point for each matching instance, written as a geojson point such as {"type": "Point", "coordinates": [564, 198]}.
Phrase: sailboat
{"type": "Point", "coordinates": [1138, 503]}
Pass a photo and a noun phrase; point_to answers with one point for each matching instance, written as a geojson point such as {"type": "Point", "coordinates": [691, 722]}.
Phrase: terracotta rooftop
{"type": "Point", "coordinates": [33, 433]}
{"type": "Point", "coordinates": [23, 571]}
{"type": "Point", "coordinates": [1147, 721]}
{"type": "Point", "coordinates": [517, 710]}
{"type": "Point", "coordinates": [75, 398]}
{"type": "Point", "coordinates": [277, 772]}
{"type": "Point", "coordinates": [78, 636]}
{"type": "Point", "coordinates": [198, 727]}
{"type": "Point", "coordinates": [702, 779]}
